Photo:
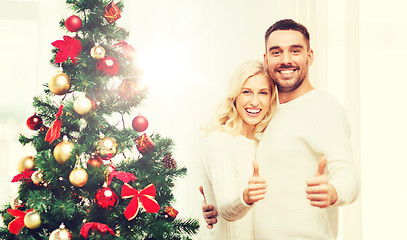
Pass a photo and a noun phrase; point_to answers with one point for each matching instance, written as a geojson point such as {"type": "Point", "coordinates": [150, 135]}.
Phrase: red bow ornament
{"type": "Point", "coordinates": [55, 130]}
{"type": "Point", "coordinates": [17, 224]}
{"type": "Point", "coordinates": [145, 197]}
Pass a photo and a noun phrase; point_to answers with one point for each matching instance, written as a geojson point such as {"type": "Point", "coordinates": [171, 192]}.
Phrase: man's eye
{"type": "Point", "coordinates": [275, 53]}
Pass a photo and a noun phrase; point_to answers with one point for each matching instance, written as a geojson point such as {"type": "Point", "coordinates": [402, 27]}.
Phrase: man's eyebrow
{"type": "Point", "coordinates": [292, 46]}
{"type": "Point", "coordinates": [297, 46]}
{"type": "Point", "coordinates": [273, 47]}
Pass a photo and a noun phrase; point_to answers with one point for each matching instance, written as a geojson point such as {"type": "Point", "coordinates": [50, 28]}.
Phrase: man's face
{"type": "Point", "coordinates": [287, 59]}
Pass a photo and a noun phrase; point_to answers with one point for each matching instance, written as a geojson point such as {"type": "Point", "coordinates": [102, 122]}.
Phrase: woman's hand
{"type": "Point", "coordinates": [256, 188]}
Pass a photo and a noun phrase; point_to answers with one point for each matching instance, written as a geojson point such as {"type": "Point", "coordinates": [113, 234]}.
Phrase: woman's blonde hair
{"type": "Point", "coordinates": [226, 117]}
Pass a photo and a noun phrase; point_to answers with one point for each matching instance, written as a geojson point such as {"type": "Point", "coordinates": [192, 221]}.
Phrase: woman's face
{"type": "Point", "coordinates": [253, 102]}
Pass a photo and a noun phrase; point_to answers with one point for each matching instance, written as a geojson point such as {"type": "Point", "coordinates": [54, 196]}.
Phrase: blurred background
{"type": "Point", "coordinates": [188, 50]}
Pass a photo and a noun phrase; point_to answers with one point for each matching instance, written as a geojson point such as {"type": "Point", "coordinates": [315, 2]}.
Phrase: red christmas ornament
{"type": "Point", "coordinates": [123, 176]}
{"type": "Point", "coordinates": [127, 49]}
{"type": "Point", "coordinates": [128, 89]}
{"type": "Point", "coordinates": [144, 144]}
{"type": "Point", "coordinates": [55, 130]}
{"type": "Point", "coordinates": [140, 123]}
{"type": "Point", "coordinates": [73, 23]}
{"type": "Point", "coordinates": [108, 65]}
{"type": "Point", "coordinates": [106, 198]}
{"type": "Point", "coordinates": [112, 12]}
{"type": "Point", "coordinates": [94, 162]}
{"type": "Point", "coordinates": [172, 212]}
{"type": "Point", "coordinates": [69, 47]}
{"type": "Point", "coordinates": [34, 122]}
{"type": "Point", "coordinates": [95, 227]}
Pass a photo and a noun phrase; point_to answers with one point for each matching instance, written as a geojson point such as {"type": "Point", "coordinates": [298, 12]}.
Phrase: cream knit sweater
{"type": "Point", "coordinates": [288, 155]}
{"type": "Point", "coordinates": [227, 167]}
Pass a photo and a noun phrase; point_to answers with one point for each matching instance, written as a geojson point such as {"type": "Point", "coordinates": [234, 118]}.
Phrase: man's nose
{"type": "Point", "coordinates": [286, 58]}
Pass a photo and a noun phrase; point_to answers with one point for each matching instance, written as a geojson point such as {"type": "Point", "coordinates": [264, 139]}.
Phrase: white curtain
{"type": "Point", "coordinates": [188, 49]}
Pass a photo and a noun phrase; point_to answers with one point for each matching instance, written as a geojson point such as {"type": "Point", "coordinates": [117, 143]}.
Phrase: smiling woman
{"type": "Point", "coordinates": [229, 151]}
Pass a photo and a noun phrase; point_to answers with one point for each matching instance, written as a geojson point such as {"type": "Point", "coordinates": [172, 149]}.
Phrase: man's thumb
{"type": "Point", "coordinates": [202, 191]}
{"type": "Point", "coordinates": [255, 168]}
{"type": "Point", "coordinates": [321, 166]}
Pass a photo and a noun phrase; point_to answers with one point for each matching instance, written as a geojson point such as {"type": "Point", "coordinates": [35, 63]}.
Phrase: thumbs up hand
{"type": "Point", "coordinates": [256, 188]}
{"type": "Point", "coordinates": [320, 193]}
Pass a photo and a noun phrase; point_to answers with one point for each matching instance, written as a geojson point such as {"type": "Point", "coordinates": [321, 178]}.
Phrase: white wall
{"type": "Point", "coordinates": [383, 118]}
{"type": "Point", "coordinates": [188, 50]}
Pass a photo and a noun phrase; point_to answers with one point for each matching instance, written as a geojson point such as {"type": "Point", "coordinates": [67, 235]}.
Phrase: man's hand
{"type": "Point", "coordinates": [208, 211]}
{"type": "Point", "coordinates": [256, 188]}
{"type": "Point", "coordinates": [320, 193]}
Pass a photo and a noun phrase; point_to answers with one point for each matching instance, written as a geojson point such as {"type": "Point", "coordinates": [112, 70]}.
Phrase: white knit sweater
{"type": "Point", "coordinates": [288, 155]}
{"type": "Point", "coordinates": [227, 164]}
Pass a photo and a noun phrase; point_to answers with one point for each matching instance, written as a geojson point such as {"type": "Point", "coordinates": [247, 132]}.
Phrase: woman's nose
{"type": "Point", "coordinates": [254, 101]}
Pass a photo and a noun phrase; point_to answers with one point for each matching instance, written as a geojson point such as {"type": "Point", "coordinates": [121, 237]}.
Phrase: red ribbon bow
{"type": "Point", "coordinates": [103, 228]}
{"type": "Point", "coordinates": [17, 224]}
{"type": "Point", "coordinates": [145, 197]}
{"type": "Point", "coordinates": [55, 129]}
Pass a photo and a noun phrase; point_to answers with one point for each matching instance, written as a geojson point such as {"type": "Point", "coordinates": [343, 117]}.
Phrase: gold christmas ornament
{"type": "Point", "coordinates": [60, 234]}
{"type": "Point", "coordinates": [97, 52]}
{"type": "Point", "coordinates": [63, 151]}
{"type": "Point", "coordinates": [106, 148]}
{"type": "Point", "coordinates": [25, 164]}
{"type": "Point", "coordinates": [32, 220]}
{"type": "Point", "coordinates": [78, 177]}
{"type": "Point", "coordinates": [37, 177]}
{"type": "Point", "coordinates": [60, 84]}
{"type": "Point", "coordinates": [82, 105]}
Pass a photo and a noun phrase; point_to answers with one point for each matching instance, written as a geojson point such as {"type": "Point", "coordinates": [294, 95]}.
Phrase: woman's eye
{"type": "Point", "coordinates": [264, 93]}
{"type": "Point", "coordinates": [246, 92]}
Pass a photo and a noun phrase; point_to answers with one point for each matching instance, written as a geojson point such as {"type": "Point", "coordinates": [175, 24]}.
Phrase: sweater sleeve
{"type": "Point", "coordinates": [331, 137]}
{"type": "Point", "coordinates": [219, 166]}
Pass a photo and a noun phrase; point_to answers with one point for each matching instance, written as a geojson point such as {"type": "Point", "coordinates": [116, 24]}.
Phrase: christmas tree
{"type": "Point", "coordinates": [94, 175]}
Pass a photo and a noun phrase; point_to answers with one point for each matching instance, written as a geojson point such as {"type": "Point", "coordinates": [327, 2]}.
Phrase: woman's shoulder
{"type": "Point", "coordinates": [217, 138]}
{"type": "Point", "coordinates": [218, 135]}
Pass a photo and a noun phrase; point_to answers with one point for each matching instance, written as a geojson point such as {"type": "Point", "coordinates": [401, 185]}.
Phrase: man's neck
{"type": "Point", "coordinates": [285, 97]}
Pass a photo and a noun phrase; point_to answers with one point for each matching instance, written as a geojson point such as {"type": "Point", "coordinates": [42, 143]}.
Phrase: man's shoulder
{"type": "Point", "coordinates": [327, 100]}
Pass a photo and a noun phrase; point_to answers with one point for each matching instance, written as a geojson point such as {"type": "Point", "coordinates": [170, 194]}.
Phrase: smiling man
{"type": "Point", "coordinates": [305, 152]}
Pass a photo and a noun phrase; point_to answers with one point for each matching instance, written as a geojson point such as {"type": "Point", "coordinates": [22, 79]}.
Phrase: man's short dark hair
{"type": "Point", "coordinates": [289, 24]}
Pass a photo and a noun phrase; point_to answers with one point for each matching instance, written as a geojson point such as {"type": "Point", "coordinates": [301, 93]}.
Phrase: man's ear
{"type": "Point", "coordinates": [310, 57]}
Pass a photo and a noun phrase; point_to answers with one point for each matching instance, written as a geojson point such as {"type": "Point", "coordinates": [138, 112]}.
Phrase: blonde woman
{"type": "Point", "coordinates": [231, 179]}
